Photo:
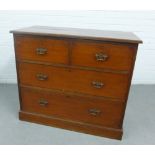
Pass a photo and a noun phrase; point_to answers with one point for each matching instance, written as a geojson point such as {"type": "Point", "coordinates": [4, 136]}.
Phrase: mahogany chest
{"type": "Point", "coordinates": [76, 79]}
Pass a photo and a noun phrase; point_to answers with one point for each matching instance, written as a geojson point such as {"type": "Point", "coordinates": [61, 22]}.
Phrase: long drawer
{"type": "Point", "coordinates": [41, 49]}
{"type": "Point", "coordinates": [73, 108]}
{"type": "Point", "coordinates": [76, 80]}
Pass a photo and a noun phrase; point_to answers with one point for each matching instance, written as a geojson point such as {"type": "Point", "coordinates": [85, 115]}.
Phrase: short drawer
{"type": "Point", "coordinates": [75, 80]}
{"type": "Point", "coordinates": [41, 49]}
{"type": "Point", "coordinates": [103, 55]}
{"type": "Point", "coordinates": [74, 108]}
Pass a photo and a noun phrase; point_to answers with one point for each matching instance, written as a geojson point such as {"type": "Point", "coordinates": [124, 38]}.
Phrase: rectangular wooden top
{"type": "Point", "coordinates": [92, 34]}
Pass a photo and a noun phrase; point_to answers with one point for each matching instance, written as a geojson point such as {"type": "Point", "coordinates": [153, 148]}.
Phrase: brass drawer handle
{"type": "Point", "coordinates": [43, 102]}
{"type": "Point", "coordinates": [97, 84]}
{"type": "Point", "coordinates": [101, 57]}
{"type": "Point", "coordinates": [41, 77]}
{"type": "Point", "coordinates": [41, 51]}
{"type": "Point", "coordinates": [94, 112]}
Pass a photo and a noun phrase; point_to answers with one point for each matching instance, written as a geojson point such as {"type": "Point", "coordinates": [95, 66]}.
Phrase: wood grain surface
{"type": "Point", "coordinates": [116, 36]}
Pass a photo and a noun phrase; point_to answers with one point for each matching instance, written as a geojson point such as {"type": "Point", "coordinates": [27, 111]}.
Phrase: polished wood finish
{"type": "Point", "coordinates": [77, 33]}
{"type": "Point", "coordinates": [73, 107]}
{"type": "Point", "coordinates": [70, 125]}
{"type": "Point", "coordinates": [56, 49]}
{"type": "Point", "coordinates": [75, 79]}
{"type": "Point", "coordinates": [118, 56]}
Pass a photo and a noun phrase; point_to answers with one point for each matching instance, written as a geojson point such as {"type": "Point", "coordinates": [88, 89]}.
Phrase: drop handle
{"type": "Point", "coordinates": [43, 102]}
{"type": "Point", "coordinates": [97, 84]}
{"type": "Point", "coordinates": [94, 112]}
{"type": "Point", "coordinates": [101, 56]}
{"type": "Point", "coordinates": [41, 77]}
{"type": "Point", "coordinates": [41, 51]}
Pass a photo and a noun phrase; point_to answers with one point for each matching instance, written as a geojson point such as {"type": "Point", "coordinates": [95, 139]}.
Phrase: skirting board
{"type": "Point", "coordinates": [72, 125]}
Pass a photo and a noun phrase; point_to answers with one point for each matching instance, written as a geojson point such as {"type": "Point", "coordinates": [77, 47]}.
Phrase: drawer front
{"type": "Point", "coordinates": [75, 80]}
{"type": "Point", "coordinates": [74, 108]}
{"type": "Point", "coordinates": [102, 55]}
{"type": "Point", "coordinates": [41, 49]}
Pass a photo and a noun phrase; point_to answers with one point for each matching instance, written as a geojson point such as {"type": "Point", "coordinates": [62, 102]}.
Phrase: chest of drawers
{"type": "Point", "coordinates": [75, 79]}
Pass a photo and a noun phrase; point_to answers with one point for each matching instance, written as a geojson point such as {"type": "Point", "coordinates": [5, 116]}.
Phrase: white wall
{"type": "Point", "coordinates": [141, 23]}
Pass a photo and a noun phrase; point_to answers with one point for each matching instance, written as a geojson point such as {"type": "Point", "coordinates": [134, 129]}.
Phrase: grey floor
{"type": "Point", "coordinates": [139, 123]}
